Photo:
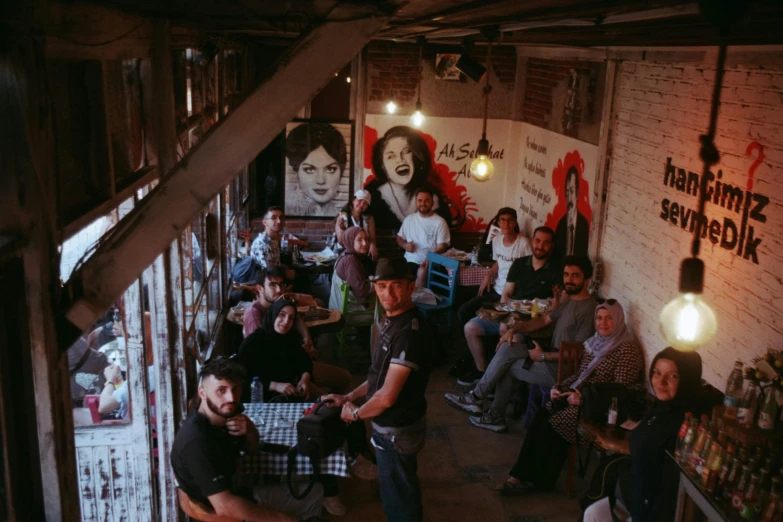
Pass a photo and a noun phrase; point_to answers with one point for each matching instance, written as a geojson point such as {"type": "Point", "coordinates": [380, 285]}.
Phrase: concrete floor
{"type": "Point", "coordinates": [459, 467]}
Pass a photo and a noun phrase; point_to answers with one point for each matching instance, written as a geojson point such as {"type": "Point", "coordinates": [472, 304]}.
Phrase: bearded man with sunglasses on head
{"type": "Point", "coordinates": [573, 320]}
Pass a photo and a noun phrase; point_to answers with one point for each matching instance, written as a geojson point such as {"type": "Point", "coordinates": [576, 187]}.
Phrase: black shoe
{"type": "Point", "coordinates": [463, 366]}
{"type": "Point", "coordinates": [470, 379]}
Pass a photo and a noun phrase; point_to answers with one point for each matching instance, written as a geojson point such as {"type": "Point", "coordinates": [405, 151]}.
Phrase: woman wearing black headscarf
{"type": "Point", "coordinates": [274, 354]}
{"type": "Point", "coordinates": [646, 488]}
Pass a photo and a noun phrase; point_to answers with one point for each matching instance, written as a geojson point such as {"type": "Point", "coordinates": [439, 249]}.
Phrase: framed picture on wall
{"type": "Point", "coordinates": [445, 66]}
{"type": "Point", "coordinates": [318, 167]}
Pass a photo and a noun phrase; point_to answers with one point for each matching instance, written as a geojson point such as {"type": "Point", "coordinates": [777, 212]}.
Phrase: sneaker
{"type": "Point", "coordinates": [470, 378]}
{"type": "Point", "coordinates": [364, 469]}
{"type": "Point", "coordinates": [334, 506]}
{"type": "Point", "coordinates": [466, 402]}
{"type": "Point", "coordinates": [488, 422]}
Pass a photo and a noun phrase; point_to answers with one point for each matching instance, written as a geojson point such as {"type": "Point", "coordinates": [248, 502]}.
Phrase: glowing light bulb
{"type": "Point", "coordinates": [391, 107]}
{"type": "Point", "coordinates": [348, 79]}
{"type": "Point", "coordinates": [687, 322]}
{"type": "Point", "coordinates": [482, 169]}
{"type": "Point", "coordinates": [417, 119]}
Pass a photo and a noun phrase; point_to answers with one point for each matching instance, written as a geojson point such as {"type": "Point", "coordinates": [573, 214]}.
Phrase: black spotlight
{"type": "Point", "coordinates": [470, 67]}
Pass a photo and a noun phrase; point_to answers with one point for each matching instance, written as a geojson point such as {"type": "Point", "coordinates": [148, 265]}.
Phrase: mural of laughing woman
{"type": "Point", "coordinates": [401, 163]}
{"type": "Point", "coordinates": [317, 154]}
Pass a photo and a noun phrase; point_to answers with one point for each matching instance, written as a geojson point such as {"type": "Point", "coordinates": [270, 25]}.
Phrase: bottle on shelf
{"type": "Point", "coordinates": [681, 436]}
{"type": "Point", "coordinates": [769, 410]}
{"type": "Point", "coordinates": [257, 391]}
{"type": "Point", "coordinates": [773, 511]}
{"type": "Point", "coordinates": [738, 495]}
{"type": "Point", "coordinates": [747, 409]}
{"type": "Point", "coordinates": [690, 436]}
{"type": "Point", "coordinates": [733, 395]}
{"type": "Point", "coordinates": [698, 445]}
{"type": "Point", "coordinates": [711, 471]}
{"type": "Point", "coordinates": [750, 498]}
{"type": "Point", "coordinates": [721, 481]}
{"type": "Point", "coordinates": [765, 487]}
{"type": "Point", "coordinates": [732, 478]}
{"type": "Point", "coordinates": [700, 460]}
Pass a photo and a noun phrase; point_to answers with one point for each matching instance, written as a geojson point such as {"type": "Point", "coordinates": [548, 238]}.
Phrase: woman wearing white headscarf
{"type": "Point", "coordinates": [611, 356]}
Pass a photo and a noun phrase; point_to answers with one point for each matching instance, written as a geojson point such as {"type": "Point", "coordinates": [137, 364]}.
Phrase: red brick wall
{"type": "Point", "coordinates": [542, 78]}
{"type": "Point", "coordinates": [393, 69]}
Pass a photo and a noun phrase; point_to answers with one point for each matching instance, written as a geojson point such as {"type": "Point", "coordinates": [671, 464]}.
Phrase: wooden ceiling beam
{"type": "Point", "coordinates": [162, 216]}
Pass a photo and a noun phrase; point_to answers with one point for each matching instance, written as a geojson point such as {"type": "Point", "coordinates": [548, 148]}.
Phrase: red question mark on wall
{"type": "Point", "coordinates": [754, 145]}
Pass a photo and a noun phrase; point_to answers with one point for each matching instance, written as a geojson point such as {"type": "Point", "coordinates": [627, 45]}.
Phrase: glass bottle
{"type": "Point", "coordinates": [765, 487]}
{"type": "Point", "coordinates": [721, 481]}
{"type": "Point", "coordinates": [748, 406]}
{"type": "Point", "coordinates": [733, 392]}
{"type": "Point", "coordinates": [690, 436]}
{"type": "Point", "coordinates": [773, 512]}
{"type": "Point", "coordinates": [709, 476]}
{"type": "Point", "coordinates": [698, 446]}
{"type": "Point", "coordinates": [769, 410]}
{"type": "Point", "coordinates": [611, 419]}
{"type": "Point", "coordinates": [701, 459]}
{"type": "Point", "coordinates": [738, 495]}
{"type": "Point", "coordinates": [751, 497]}
{"type": "Point", "coordinates": [681, 436]}
{"type": "Point", "coordinates": [732, 478]}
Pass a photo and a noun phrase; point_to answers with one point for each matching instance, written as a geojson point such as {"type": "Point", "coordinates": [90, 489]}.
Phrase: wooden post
{"type": "Point", "coordinates": [163, 114]}
{"type": "Point", "coordinates": [162, 215]}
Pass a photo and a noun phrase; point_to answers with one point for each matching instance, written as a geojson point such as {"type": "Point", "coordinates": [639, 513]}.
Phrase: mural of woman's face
{"type": "Point", "coordinates": [319, 176]}
{"type": "Point", "coordinates": [398, 160]}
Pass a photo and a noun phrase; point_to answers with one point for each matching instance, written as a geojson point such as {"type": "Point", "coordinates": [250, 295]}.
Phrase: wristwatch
{"type": "Point", "coordinates": [543, 357]}
{"type": "Point", "coordinates": [356, 414]}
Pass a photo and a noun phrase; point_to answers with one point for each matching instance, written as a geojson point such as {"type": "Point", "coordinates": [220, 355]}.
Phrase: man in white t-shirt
{"type": "Point", "coordinates": [508, 246]}
{"type": "Point", "coordinates": [423, 232]}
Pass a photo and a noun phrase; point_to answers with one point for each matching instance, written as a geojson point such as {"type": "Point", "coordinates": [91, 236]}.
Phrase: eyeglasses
{"type": "Point", "coordinates": [607, 301]}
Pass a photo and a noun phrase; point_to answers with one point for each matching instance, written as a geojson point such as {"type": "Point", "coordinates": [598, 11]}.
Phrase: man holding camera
{"type": "Point", "coordinates": [515, 359]}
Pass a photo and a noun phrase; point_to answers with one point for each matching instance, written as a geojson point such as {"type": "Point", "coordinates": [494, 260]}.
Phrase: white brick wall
{"type": "Point", "coordinates": [661, 109]}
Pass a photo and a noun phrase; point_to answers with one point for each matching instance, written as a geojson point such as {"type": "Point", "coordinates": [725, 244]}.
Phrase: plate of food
{"type": "Point", "coordinates": [458, 255]}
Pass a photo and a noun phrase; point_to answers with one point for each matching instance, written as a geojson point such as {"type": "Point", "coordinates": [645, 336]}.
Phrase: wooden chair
{"type": "Point", "coordinates": [442, 278]}
{"type": "Point", "coordinates": [568, 364]}
{"type": "Point", "coordinates": [356, 314]}
{"type": "Point", "coordinates": [198, 511]}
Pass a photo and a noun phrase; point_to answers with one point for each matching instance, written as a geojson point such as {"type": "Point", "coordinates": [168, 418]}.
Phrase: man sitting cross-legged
{"type": "Point", "coordinates": [207, 447]}
{"type": "Point", "coordinates": [529, 277]}
{"type": "Point", "coordinates": [573, 320]}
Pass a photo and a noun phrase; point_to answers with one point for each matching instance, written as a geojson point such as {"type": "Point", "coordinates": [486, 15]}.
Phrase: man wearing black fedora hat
{"type": "Point", "coordinates": [395, 387]}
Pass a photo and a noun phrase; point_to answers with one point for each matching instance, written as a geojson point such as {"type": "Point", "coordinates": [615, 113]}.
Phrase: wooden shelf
{"type": "Point", "coordinates": [752, 436]}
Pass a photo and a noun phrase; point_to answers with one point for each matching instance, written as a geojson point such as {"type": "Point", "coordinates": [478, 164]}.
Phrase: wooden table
{"type": "Point", "coordinates": [609, 438]}
{"type": "Point", "coordinates": [333, 323]}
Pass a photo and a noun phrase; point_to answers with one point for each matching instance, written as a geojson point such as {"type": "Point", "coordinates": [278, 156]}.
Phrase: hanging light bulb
{"type": "Point", "coordinates": [482, 169]}
{"type": "Point", "coordinates": [687, 322]}
{"type": "Point", "coordinates": [417, 119]}
{"type": "Point", "coordinates": [391, 107]}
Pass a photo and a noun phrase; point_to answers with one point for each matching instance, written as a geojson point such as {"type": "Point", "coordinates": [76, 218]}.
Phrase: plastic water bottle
{"type": "Point", "coordinates": [257, 391]}
{"type": "Point", "coordinates": [474, 256]}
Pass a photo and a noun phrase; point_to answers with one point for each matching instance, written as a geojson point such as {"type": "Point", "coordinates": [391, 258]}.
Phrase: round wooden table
{"type": "Point", "coordinates": [609, 438]}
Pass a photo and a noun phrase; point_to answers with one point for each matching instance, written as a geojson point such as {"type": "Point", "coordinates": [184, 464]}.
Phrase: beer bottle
{"type": "Point", "coordinates": [747, 410]}
{"type": "Point", "coordinates": [732, 479]}
{"type": "Point", "coordinates": [765, 486]}
{"type": "Point", "coordinates": [733, 392]}
{"type": "Point", "coordinates": [773, 512]}
{"type": "Point", "coordinates": [681, 436]}
{"type": "Point", "coordinates": [698, 446]}
{"type": "Point", "coordinates": [750, 498]}
{"type": "Point", "coordinates": [738, 495]}
{"type": "Point", "coordinates": [701, 459]}
{"type": "Point", "coordinates": [769, 410]}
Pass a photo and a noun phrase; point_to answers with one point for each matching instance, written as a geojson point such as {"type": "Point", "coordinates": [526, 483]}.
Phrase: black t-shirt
{"type": "Point", "coordinates": [406, 339]}
{"type": "Point", "coordinates": [204, 458]}
{"type": "Point", "coordinates": [530, 283]}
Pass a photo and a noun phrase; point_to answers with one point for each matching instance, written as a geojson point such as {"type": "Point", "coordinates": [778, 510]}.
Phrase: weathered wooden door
{"type": "Point", "coordinates": [114, 456]}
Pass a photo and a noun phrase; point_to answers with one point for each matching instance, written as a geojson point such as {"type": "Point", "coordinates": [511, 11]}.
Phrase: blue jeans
{"type": "Point", "coordinates": [399, 484]}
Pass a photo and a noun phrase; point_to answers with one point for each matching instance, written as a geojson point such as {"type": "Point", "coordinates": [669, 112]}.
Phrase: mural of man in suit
{"type": "Point", "coordinates": [573, 231]}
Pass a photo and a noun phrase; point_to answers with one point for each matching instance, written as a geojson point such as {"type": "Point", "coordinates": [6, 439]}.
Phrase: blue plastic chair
{"type": "Point", "coordinates": [442, 277]}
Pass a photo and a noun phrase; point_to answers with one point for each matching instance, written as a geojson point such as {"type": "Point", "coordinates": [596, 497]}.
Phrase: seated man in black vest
{"type": "Point", "coordinates": [208, 444]}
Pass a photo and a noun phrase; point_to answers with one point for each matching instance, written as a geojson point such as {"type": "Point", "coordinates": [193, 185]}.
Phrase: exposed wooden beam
{"type": "Point", "coordinates": [161, 216]}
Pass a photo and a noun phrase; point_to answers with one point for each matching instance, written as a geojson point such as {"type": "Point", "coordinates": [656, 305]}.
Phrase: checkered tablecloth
{"type": "Point", "coordinates": [277, 425]}
{"type": "Point", "coordinates": [473, 275]}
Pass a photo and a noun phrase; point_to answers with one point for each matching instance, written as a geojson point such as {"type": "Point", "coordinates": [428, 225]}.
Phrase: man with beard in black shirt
{"type": "Point", "coordinates": [207, 446]}
{"type": "Point", "coordinates": [394, 388]}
